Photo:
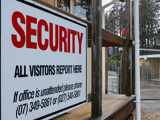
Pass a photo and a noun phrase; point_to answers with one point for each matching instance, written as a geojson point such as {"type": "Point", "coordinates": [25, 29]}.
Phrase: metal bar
{"type": "Point", "coordinates": [96, 59]}
{"type": "Point", "coordinates": [137, 67]}
{"type": "Point", "coordinates": [149, 49]}
{"type": "Point", "coordinates": [103, 56]}
{"type": "Point", "coordinates": [149, 99]}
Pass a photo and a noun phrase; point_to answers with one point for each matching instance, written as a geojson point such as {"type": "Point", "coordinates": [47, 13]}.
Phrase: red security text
{"type": "Point", "coordinates": [60, 42]}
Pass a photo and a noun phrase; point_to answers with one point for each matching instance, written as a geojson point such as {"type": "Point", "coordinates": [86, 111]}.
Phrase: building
{"type": "Point", "coordinates": [150, 67]}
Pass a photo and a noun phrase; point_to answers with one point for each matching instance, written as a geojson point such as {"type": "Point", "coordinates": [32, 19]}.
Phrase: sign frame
{"type": "Point", "coordinates": [68, 18]}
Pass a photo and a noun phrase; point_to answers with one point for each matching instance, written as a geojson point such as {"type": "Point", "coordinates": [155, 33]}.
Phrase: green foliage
{"type": "Point", "coordinates": [115, 18]}
{"type": "Point", "coordinates": [113, 62]}
{"type": "Point", "coordinates": [114, 58]}
{"type": "Point", "coordinates": [149, 23]}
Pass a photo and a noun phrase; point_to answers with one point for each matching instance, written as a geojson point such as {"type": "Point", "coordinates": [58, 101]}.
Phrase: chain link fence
{"type": "Point", "coordinates": [113, 73]}
{"type": "Point", "coordinates": [150, 73]}
{"type": "Point", "coordinates": [116, 73]}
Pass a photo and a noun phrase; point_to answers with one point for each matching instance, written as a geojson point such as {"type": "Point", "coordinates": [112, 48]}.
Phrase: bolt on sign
{"type": "Point", "coordinates": [43, 61]}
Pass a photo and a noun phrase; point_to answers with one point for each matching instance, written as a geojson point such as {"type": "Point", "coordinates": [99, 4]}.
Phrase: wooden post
{"type": "Point", "coordinates": [106, 70]}
{"type": "Point", "coordinates": [122, 72]}
{"type": "Point", "coordinates": [133, 71]}
{"type": "Point", "coordinates": [133, 58]}
{"type": "Point", "coordinates": [96, 59]}
{"type": "Point", "coordinates": [71, 6]}
{"type": "Point", "coordinates": [128, 49]}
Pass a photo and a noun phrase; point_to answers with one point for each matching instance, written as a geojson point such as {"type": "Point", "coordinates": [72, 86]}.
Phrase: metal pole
{"type": "Point", "coordinates": [96, 58]}
{"type": "Point", "coordinates": [137, 67]}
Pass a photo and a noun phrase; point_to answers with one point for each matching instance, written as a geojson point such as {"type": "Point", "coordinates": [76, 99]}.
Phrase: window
{"type": "Point", "coordinates": [64, 5]}
{"type": "Point", "coordinates": [82, 9]}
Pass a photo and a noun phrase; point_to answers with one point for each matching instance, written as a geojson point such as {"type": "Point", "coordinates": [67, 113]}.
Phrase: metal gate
{"type": "Point", "coordinates": [150, 73]}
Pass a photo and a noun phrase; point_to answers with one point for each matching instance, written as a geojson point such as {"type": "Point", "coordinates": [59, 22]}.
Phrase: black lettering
{"type": "Point", "coordinates": [16, 72]}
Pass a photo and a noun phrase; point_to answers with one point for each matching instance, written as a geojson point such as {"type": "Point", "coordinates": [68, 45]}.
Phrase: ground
{"type": "Point", "coordinates": [112, 82]}
{"type": "Point", "coordinates": [150, 110]}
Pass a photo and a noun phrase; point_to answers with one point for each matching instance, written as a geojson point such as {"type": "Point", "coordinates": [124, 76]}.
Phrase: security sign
{"type": "Point", "coordinates": [43, 61]}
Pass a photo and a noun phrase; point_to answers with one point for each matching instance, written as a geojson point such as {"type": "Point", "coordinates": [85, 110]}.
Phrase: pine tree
{"type": "Point", "coordinates": [149, 13]}
{"type": "Point", "coordinates": [149, 22]}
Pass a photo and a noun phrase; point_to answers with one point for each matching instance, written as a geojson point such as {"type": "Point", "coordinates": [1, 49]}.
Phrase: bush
{"type": "Point", "coordinates": [113, 62]}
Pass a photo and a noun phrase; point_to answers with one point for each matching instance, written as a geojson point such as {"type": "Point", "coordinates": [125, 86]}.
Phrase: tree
{"type": "Point", "coordinates": [149, 14]}
{"type": "Point", "coordinates": [149, 22]}
{"type": "Point", "coordinates": [115, 19]}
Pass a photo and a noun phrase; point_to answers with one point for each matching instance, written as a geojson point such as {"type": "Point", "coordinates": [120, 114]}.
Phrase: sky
{"type": "Point", "coordinates": [106, 2]}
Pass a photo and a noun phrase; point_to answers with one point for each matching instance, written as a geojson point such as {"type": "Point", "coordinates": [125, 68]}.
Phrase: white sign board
{"type": "Point", "coordinates": [43, 61]}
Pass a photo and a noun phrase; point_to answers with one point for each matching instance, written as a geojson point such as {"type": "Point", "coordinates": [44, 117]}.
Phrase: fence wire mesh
{"type": "Point", "coordinates": [114, 63]}
{"type": "Point", "coordinates": [116, 72]}
{"type": "Point", "coordinates": [150, 73]}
